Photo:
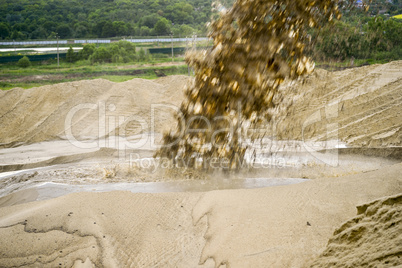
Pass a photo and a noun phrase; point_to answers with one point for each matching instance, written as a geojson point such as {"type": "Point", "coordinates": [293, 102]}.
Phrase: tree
{"type": "Point", "coordinates": [145, 31]}
{"type": "Point", "coordinates": [108, 30]}
{"type": "Point", "coordinates": [150, 20]}
{"type": "Point", "coordinates": [4, 30]}
{"type": "Point", "coordinates": [120, 28]}
{"type": "Point", "coordinates": [162, 27]}
{"type": "Point", "coordinates": [186, 30]}
{"type": "Point", "coordinates": [101, 54]}
{"type": "Point", "coordinates": [63, 31]}
{"type": "Point", "coordinates": [24, 62]}
{"type": "Point", "coordinates": [87, 51]}
{"type": "Point", "coordinates": [70, 55]}
{"type": "Point", "coordinates": [141, 54]}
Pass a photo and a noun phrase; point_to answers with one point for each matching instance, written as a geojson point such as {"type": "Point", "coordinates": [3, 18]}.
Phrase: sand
{"type": "Point", "coordinates": [87, 109]}
{"type": "Point", "coordinates": [310, 223]}
{"type": "Point", "coordinates": [360, 106]}
{"type": "Point", "coordinates": [372, 239]}
{"type": "Point", "coordinates": [283, 226]}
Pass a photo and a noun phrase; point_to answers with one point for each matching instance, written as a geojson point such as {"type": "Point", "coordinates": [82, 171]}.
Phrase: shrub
{"type": "Point", "coordinates": [87, 51]}
{"type": "Point", "coordinates": [24, 62]}
{"type": "Point", "coordinates": [70, 55]}
{"type": "Point", "coordinates": [101, 54]}
{"type": "Point", "coordinates": [120, 52]}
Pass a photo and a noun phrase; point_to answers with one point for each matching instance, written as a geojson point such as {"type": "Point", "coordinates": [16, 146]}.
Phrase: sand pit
{"type": "Point", "coordinates": [346, 155]}
{"type": "Point", "coordinates": [283, 226]}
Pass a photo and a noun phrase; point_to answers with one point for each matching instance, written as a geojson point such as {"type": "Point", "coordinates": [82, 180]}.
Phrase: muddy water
{"type": "Point", "coordinates": [52, 169]}
{"type": "Point", "coordinates": [49, 190]}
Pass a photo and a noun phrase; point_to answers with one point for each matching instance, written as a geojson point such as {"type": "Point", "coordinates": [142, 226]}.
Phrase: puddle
{"type": "Point", "coordinates": [49, 190]}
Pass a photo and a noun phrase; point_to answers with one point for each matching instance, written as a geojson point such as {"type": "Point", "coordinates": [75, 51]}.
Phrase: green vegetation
{"type": "Point", "coordinates": [120, 52]}
{"type": "Point", "coordinates": [358, 38]}
{"type": "Point", "coordinates": [37, 75]}
{"type": "Point", "coordinates": [40, 19]}
{"type": "Point", "coordinates": [24, 62]}
{"type": "Point", "coordinates": [377, 39]}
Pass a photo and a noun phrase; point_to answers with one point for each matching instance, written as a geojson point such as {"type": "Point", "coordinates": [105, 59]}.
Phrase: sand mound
{"type": "Point", "coordinates": [90, 109]}
{"type": "Point", "coordinates": [372, 239]}
{"type": "Point", "coordinates": [360, 106]}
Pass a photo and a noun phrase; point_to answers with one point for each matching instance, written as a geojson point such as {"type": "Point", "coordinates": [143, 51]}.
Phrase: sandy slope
{"type": "Point", "coordinates": [372, 239]}
{"type": "Point", "coordinates": [101, 108]}
{"type": "Point", "coordinates": [284, 226]}
{"type": "Point", "coordinates": [360, 106]}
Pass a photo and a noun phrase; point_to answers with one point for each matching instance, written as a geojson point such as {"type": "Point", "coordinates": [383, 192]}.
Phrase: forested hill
{"type": "Point", "coordinates": [41, 19]}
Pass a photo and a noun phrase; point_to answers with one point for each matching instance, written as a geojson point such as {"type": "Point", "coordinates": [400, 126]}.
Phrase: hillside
{"type": "Point", "coordinates": [40, 19]}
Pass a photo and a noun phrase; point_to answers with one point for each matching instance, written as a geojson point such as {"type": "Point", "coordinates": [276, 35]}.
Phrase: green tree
{"type": "Point", "coordinates": [162, 27]}
{"type": "Point", "coordinates": [141, 54]}
{"type": "Point", "coordinates": [186, 30]}
{"type": "Point", "coordinates": [150, 20]}
{"type": "Point", "coordinates": [123, 51]}
{"type": "Point", "coordinates": [100, 55]}
{"type": "Point", "coordinates": [70, 55]}
{"type": "Point", "coordinates": [24, 62]}
{"type": "Point", "coordinates": [4, 30]}
{"type": "Point", "coordinates": [145, 31]}
{"type": "Point", "coordinates": [108, 30]}
{"type": "Point", "coordinates": [87, 51]}
{"type": "Point", "coordinates": [63, 31]}
{"type": "Point", "coordinates": [120, 28]}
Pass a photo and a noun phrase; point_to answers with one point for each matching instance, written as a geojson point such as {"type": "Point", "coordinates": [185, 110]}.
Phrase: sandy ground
{"type": "Point", "coordinates": [67, 148]}
{"type": "Point", "coordinates": [283, 226]}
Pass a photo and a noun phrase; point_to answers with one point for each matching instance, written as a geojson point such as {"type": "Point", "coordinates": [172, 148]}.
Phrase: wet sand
{"type": "Point", "coordinates": [282, 226]}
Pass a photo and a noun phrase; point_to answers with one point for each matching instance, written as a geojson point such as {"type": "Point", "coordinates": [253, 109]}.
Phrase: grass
{"type": "Point", "coordinates": [45, 74]}
{"type": "Point", "coordinates": [340, 65]}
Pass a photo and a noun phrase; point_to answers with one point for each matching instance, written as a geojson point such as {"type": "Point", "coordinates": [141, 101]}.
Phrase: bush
{"type": "Point", "coordinates": [120, 52]}
{"type": "Point", "coordinates": [101, 54]}
{"type": "Point", "coordinates": [24, 62]}
{"type": "Point", "coordinates": [71, 55]}
{"type": "Point", "coordinates": [87, 51]}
